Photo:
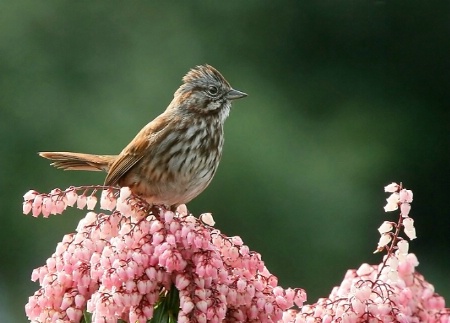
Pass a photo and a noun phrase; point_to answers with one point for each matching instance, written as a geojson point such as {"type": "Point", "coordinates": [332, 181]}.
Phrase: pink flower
{"type": "Point", "coordinates": [125, 193]}
{"type": "Point", "coordinates": [91, 201]}
{"type": "Point", "coordinates": [365, 295]}
{"type": "Point", "coordinates": [405, 208]}
{"type": "Point", "coordinates": [81, 202]}
{"type": "Point", "coordinates": [138, 259]}
{"type": "Point", "coordinates": [406, 196]}
{"type": "Point", "coordinates": [107, 200]}
{"type": "Point", "coordinates": [71, 197]}
{"type": "Point", "coordinates": [30, 195]}
{"type": "Point", "coordinates": [27, 207]}
{"type": "Point", "coordinates": [119, 266]}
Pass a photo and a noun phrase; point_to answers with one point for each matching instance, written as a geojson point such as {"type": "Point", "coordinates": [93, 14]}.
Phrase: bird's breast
{"type": "Point", "coordinates": [180, 166]}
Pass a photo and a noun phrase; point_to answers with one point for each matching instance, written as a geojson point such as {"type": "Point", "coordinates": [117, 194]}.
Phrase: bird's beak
{"type": "Point", "coordinates": [235, 94]}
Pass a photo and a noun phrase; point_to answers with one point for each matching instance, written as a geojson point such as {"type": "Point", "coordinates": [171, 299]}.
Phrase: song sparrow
{"type": "Point", "coordinates": [175, 156]}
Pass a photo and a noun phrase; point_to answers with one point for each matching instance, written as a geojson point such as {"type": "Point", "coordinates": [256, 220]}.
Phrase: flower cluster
{"type": "Point", "coordinates": [390, 292]}
{"type": "Point", "coordinates": [126, 264]}
{"type": "Point", "coordinates": [366, 296]}
{"type": "Point", "coordinates": [140, 262]}
{"type": "Point", "coordinates": [399, 198]}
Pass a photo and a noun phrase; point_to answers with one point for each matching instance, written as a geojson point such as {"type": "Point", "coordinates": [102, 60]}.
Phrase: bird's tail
{"type": "Point", "coordinates": [79, 161]}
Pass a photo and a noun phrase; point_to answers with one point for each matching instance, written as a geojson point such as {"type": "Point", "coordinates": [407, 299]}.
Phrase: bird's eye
{"type": "Point", "coordinates": [213, 90]}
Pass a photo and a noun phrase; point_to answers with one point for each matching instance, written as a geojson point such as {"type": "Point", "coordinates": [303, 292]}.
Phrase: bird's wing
{"type": "Point", "coordinates": [137, 149]}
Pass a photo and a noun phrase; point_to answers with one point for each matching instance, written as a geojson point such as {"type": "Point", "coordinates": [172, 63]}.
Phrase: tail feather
{"type": "Point", "coordinates": [79, 161]}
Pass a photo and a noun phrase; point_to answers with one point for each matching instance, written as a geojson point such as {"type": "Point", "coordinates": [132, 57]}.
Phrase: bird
{"type": "Point", "coordinates": [174, 157]}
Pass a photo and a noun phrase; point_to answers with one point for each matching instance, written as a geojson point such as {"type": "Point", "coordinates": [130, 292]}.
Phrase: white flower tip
{"type": "Point", "coordinates": [410, 230]}
{"type": "Point", "coordinates": [365, 269]}
{"type": "Point", "coordinates": [403, 247]}
{"type": "Point", "coordinates": [182, 209]}
{"type": "Point", "coordinates": [207, 219]}
{"type": "Point", "coordinates": [125, 193]}
{"type": "Point", "coordinates": [392, 202]}
{"type": "Point", "coordinates": [31, 194]}
{"type": "Point", "coordinates": [384, 240]}
{"type": "Point", "coordinates": [411, 233]}
{"type": "Point", "coordinates": [393, 276]}
{"type": "Point", "coordinates": [389, 207]}
{"type": "Point", "coordinates": [385, 227]}
{"type": "Point", "coordinates": [391, 188]}
{"type": "Point", "coordinates": [91, 201]}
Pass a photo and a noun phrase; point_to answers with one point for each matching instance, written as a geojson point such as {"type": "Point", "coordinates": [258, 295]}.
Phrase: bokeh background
{"type": "Point", "coordinates": [344, 98]}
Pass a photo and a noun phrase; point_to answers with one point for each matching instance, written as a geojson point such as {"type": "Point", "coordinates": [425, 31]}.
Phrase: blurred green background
{"type": "Point", "coordinates": [344, 98]}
